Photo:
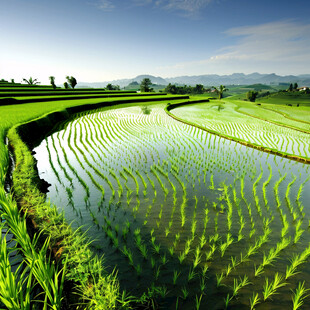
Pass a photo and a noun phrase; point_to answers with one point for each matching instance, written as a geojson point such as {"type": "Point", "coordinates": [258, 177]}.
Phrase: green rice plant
{"type": "Point", "coordinates": [164, 259]}
{"type": "Point", "coordinates": [181, 257]}
{"type": "Point", "coordinates": [258, 270]}
{"type": "Point", "coordinates": [153, 262]}
{"type": "Point", "coordinates": [143, 251]}
{"type": "Point", "coordinates": [203, 241]}
{"type": "Point", "coordinates": [191, 274]}
{"type": "Point", "coordinates": [138, 269]}
{"type": "Point", "coordinates": [285, 227]}
{"type": "Point", "coordinates": [198, 301]}
{"type": "Point", "coordinates": [211, 182]}
{"type": "Point", "coordinates": [156, 248]}
{"type": "Point", "coordinates": [219, 278]}
{"type": "Point", "coordinates": [204, 269]}
{"type": "Point", "coordinates": [185, 292]}
{"type": "Point", "coordinates": [15, 292]}
{"type": "Point", "coordinates": [125, 233]}
{"type": "Point", "coordinates": [127, 252]}
{"type": "Point", "coordinates": [162, 290]}
{"type": "Point", "coordinates": [227, 300]}
{"type": "Point", "coordinates": [157, 272]}
{"type": "Point", "coordinates": [238, 285]}
{"type": "Point", "coordinates": [176, 274]}
{"type": "Point", "coordinates": [299, 295]}
{"type": "Point", "coordinates": [197, 259]}
{"type": "Point", "coordinates": [298, 232]}
{"type": "Point", "coordinates": [297, 260]}
{"type": "Point", "coordinates": [228, 270]}
{"type": "Point", "coordinates": [254, 301]}
{"type": "Point", "coordinates": [276, 190]}
{"type": "Point", "coordinates": [270, 289]}
{"type": "Point", "coordinates": [216, 222]}
{"type": "Point", "coordinates": [193, 228]}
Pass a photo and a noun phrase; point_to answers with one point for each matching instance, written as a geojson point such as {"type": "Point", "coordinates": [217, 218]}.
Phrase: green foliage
{"type": "Point", "coordinates": [52, 80]}
{"type": "Point", "coordinates": [251, 95]}
{"type": "Point", "coordinates": [112, 87]}
{"type": "Point", "coordinates": [181, 90]}
{"type": "Point", "coordinates": [145, 85]}
{"type": "Point", "coordinates": [31, 81]}
{"type": "Point", "coordinates": [220, 90]}
{"type": "Point", "coordinates": [71, 81]}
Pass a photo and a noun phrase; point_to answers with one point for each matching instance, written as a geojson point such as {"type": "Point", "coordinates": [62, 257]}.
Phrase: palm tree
{"type": "Point", "coordinates": [31, 81]}
{"type": "Point", "coordinates": [52, 80]}
{"type": "Point", "coordinates": [220, 90]}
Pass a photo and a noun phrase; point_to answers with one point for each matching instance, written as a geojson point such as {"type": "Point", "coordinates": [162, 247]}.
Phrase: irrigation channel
{"type": "Point", "coordinates": [199, 220]}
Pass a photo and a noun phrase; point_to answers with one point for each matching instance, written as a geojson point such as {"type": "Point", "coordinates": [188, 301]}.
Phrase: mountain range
{"type": "Point", "coordinates": [211, 79]}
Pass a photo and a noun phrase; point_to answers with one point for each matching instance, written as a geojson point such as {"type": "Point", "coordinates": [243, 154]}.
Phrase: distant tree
{"type": "Point", "coordinates": [31, 81]}
{"type": "Point", "coordinates": [251, 95]}
{"type": "Point", "coordinates": [66, 85]}
{"type": "Point", "coordinates": [145, 85]}
{"type": "Point", "coordinates": [198, 89]}
{"type": "Point", "coordinates": [290, 88]}
{"type": "Point", "coordinates": [12, 81]}
{"type": "Point", "coordinates": [295, 86]}
{"type": "Point", "coordinates": [220, 90]}
{"type": "Point", "coordinates": [112, 87]}
{"type": "Point", "coordinates": [71, 81]}
{"type": "Point", "coordinates": [171, 89]}
{"type": "Point", "coordinates": [52, 80]}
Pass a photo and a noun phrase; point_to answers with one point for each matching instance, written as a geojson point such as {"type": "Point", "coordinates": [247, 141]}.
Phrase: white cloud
{"type": "Point", "coordinates": [282, 47]}
{"type": "Point", "coordinates": [189, 7]}
{"type": "Point", "coordinates": [105, 5]}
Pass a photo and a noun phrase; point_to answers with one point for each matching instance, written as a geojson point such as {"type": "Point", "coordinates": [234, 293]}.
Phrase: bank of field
{"type": "Point", "coordinates": [188, 219]}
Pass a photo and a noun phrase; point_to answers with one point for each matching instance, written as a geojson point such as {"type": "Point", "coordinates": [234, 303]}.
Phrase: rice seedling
{"type": "Point", "coordinates": [185, 293]}
{"type": "Point", "coordinates": [299, 295]}
{"type": "Point", "coordinates": [157, 272]}
{"type": "Point", "coordinates": [198, 301]}
{"type": "Point", "coordinates": [191, 274]}
{"type": "Point", "coordinates": [254, 301]}
{"type": "Point", "coordinates": [219, 278]}
{"type": "Point", "coordinates": [156, 248]}
{"type": "Point", "coordinates": [238, 285]}
{"type": "Point", "coordinates": [270, 289]}
{"type": "Point", "coordinates": [197, 259]}
{"type": "Point", "coordinates": [138, 269]}
{"type": "Point", "coordinates": [203, 241]}
{"type": "Point", "coordinates": [298, 232]}
{"type": "Point", "coordinates": [227, 300]}
{"type": "Point", "coordinates": [176, 275]}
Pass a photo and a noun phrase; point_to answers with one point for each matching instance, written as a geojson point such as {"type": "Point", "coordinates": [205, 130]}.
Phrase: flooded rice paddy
{"type": "Point", "coordinates": [197, 220]}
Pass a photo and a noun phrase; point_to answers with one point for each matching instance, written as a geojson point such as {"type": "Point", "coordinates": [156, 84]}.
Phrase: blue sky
{"type": "Point", "coordinates": [100, 40]}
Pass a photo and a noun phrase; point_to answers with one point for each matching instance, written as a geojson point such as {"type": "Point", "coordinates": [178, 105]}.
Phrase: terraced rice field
{"type": "Point", "coordinates": [229, 119]}
{"type": "Point", "coordinates": [193, 219]}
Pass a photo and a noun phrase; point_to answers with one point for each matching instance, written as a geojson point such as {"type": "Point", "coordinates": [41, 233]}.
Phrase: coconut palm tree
{"type": "Point", "coordinates": [52, 80]}
{"type": "Point", "coordinates": [31, 81]}
{"type": "Point", "coordinates": [220, 90]}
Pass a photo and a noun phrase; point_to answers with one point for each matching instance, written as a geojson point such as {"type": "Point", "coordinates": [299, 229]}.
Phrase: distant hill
{"type": "Point", "coordinates": [211, 79]}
